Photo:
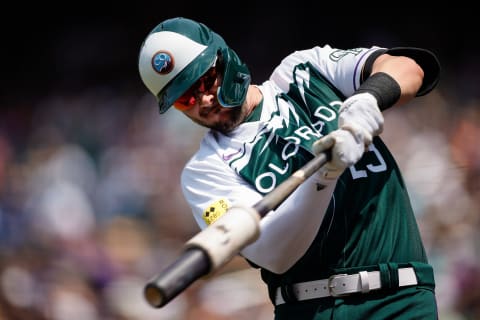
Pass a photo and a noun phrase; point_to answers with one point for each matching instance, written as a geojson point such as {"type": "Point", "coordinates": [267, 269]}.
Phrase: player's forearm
{"type": "Point", "coordinates": [405, 71]}
{"type": "Point", "coordinates": [287, 233]}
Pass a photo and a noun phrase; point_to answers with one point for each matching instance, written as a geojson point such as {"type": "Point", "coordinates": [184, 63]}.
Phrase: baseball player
{"type": "Point", "coordinates": [345, 244]}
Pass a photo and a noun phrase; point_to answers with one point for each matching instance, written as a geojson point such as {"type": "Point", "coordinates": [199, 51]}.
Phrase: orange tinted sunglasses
{"type": "Point", "coordinates": [190, 97]}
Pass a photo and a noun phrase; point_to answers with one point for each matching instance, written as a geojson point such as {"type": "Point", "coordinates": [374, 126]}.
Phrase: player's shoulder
{"type": "Point", "coordinates": [207, 153]}
{"type": "Point", "coordinates": [307, 54]}
{"type": "Point", "coordinates": [283, 74]}
{"type": "Point", "coordinates": [326, 53]}
{"type": "Point", "coordinates": [313, 55]}
{"type": "Point", "coordinates": [208, 157]}
{"type": "Point", "coordinates": [209, 164]}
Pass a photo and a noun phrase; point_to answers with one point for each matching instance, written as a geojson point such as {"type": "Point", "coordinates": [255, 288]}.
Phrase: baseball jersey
{"type": "Point", "coordinates": [363, 220]}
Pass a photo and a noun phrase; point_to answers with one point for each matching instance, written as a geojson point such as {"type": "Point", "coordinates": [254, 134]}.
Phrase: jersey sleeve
{"type": "Point", "coordinates": [341, 67]}
{"type": "Point", "coordinates": [211, 187]}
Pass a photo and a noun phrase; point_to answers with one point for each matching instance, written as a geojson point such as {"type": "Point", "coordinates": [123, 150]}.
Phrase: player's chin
{"type": "Point", "coordinates": [221, 119]}
{"type": "Point", "coordinates": [227, 122]}
{"type": "Point", "coordinates": [219, 114]}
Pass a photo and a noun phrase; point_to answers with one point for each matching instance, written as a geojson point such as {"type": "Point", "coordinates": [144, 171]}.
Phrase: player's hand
{"type": "Point", "coordinates": [347, 147]}
{"type": "Point", "coordinates": [361, 111]}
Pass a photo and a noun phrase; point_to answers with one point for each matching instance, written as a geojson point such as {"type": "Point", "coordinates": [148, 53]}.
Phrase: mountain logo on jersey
{"type": "Point", "coordinates": [215, 210]}
{"type": "Point", "coordinates": [162, 62]}
{"type": "Point", "coordinates": [298, 118]}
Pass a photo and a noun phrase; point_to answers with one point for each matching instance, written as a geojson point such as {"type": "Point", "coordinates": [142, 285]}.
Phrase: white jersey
{"type": "Point", "coordinates": [300, 104]}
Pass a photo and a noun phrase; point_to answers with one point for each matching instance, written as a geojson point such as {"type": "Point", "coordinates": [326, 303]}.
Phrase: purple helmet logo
{"type": "Point", "coordinates": [162, 62]}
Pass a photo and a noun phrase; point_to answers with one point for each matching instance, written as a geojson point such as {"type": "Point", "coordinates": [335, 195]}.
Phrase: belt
{"type": "Point", "coordinates": [344, 284]}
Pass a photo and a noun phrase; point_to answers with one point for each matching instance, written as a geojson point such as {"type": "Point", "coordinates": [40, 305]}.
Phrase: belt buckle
{"type": "Point", "coordinates": [332, 285]}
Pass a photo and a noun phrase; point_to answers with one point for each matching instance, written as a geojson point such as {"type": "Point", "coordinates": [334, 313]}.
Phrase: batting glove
{"type": "Point", "coordinates": [361, 112]}
{"type": "Point", "coordinates": [347, 146]}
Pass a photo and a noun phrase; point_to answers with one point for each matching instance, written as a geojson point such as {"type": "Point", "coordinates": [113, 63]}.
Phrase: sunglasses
{"type": "Point", "coordinates": [190, 97]}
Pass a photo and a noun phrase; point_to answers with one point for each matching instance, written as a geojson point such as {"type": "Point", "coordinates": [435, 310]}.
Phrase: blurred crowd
{"type": "Point", "coordinates": [91, 208]}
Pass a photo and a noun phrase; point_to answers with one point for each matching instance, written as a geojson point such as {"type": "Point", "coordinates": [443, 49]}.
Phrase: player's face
{"type": "Point", "coordinates": [200, 104]}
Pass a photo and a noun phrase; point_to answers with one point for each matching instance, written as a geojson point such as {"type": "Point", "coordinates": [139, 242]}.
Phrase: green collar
{"type": "Point", "coordinates": [256, 113]}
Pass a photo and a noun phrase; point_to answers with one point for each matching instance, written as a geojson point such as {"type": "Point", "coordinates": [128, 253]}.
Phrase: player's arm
{"type": "Point", "coordinates": [211, 188]}
{"type": "Point", "coordinates": [397, 75]}
{"type": "Point", "coordinates": [389, 77]}
{"type": "Point", "coordinates": [414, 71]}
{"type": "Point", "coordinates": [402, 73]}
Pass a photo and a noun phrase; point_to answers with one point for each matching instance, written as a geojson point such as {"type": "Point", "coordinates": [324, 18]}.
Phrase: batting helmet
{"type": "Point", "coordinates": [178, 51]}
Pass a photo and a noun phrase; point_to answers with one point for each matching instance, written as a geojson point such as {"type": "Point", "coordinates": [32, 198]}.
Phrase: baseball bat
{"type": "Point", "coordinates": [223, 239]}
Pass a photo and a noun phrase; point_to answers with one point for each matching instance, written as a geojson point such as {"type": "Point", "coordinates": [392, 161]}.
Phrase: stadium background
{"type": "Point", "coordinates": [90, 205]}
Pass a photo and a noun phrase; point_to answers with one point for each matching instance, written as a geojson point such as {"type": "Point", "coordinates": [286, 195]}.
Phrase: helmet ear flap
{"type": "Point", "coordinates": [235, 78]}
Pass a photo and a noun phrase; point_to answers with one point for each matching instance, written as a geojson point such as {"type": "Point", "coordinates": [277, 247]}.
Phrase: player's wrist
{"type": "Point", "coordinates": [383, 87]}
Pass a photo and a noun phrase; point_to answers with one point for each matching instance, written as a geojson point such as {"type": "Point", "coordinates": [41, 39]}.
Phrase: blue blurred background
{"type": "Point", "coordinates": [90, 204]}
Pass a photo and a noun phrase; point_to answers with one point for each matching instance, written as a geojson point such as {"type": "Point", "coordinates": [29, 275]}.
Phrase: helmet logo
{"type": "Point", "coordinates": [162, 62]}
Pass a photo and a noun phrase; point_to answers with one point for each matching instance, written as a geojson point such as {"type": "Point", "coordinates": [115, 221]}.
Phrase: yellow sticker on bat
{"type": "Point", "coordinates": [215, 210]}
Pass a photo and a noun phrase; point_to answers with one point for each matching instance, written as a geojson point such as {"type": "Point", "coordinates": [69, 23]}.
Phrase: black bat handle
{"type": "Point", "coordinates": [224, 239]}
{"type": "Point", "coordinates": [190, 266]}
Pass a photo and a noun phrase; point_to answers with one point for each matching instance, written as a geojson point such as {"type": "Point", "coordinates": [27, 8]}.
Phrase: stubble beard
{"type": "Point", "coordinates": [236, 117]}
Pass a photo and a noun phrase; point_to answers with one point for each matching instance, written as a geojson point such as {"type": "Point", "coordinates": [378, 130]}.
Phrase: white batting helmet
{"type": "Point", "coordinates": [178, 51]}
